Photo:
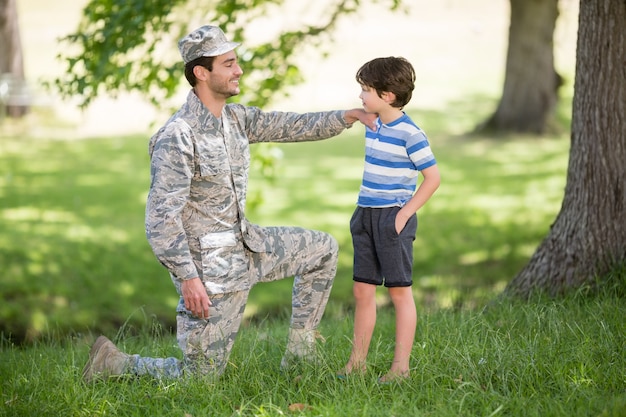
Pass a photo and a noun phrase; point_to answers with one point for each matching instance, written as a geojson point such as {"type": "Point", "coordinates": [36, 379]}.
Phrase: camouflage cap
{"type": "Point", "coordinates": [204, 41]}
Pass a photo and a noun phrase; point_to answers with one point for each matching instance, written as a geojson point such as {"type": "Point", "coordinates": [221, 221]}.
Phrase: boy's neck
{"type": "Point", "coordinates": [390, 115]}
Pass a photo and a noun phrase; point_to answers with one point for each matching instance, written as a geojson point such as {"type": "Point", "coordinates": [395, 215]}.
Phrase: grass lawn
{"type": "Point", "coordinates": [542, 358]}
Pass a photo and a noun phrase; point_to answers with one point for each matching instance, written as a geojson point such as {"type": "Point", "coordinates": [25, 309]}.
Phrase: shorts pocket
{"type": "Point", "coordinates": [388, 221]}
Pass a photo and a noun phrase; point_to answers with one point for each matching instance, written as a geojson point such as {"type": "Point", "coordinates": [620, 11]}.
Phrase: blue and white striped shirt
{"type": "Point", "coordinates": [394, 155]}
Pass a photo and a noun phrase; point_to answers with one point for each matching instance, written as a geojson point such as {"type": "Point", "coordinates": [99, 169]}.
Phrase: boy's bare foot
{"type": "Point", "coordinates": [351, 369]}
{"type": "Point", "coordinates": [393, 376]}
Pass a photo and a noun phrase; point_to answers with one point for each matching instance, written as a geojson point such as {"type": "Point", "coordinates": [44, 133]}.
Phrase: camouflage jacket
{"type": "Point", "coordinates": [195, 220]}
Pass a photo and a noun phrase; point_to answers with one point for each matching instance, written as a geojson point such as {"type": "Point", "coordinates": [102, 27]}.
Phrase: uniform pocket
{"type": "Point", "coordinates": [211, 167]}
{"type": "Point", "coordinates": [212, 157]}
{"type": "Point", "coordinates": [217, 251]}
{"type": "Point", "coordinates": [218, 239]}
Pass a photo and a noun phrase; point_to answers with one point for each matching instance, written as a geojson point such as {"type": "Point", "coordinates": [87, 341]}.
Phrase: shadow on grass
{"type": "Point", "coordinates": [75, 259]}
{"type": "Point", "coordinates": [72, 246]}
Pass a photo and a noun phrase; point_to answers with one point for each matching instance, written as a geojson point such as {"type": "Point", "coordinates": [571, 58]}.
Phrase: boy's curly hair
{"type": "Point", "coordinates": [392, 74]}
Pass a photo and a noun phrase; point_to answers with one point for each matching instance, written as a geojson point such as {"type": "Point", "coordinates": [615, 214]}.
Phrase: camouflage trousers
{"type": "Point", "coordinates": [307, 255]}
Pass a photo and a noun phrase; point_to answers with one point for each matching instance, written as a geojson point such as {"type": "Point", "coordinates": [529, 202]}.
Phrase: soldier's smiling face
{"type": "Point", "coordinates": [224, 78]}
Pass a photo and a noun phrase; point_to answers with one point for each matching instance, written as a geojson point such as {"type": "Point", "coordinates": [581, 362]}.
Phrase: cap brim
{"type": "Point", "coordinates": [226, 47]}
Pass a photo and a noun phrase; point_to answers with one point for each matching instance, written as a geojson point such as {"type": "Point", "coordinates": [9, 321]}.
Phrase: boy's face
{"type": "Point", "coordinates": [372, 102]}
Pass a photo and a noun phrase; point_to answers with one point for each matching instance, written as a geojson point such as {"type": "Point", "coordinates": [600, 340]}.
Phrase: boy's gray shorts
{"type": "Point", "coordinates": [380, 254]}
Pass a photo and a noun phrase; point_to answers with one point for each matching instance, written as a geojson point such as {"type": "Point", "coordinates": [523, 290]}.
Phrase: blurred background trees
{"type": "Point", "coordinates": [531, 83]}
{"type": "Point", "coordinates": [118, 43]}
{"type": "Point", "coordinates": [13, 98]}
{"type": "Point", "coordinates": [131, 45]}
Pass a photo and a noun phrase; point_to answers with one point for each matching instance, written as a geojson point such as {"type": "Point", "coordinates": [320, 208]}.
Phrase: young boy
{"type": "Point", "coordinates": [384, 223]}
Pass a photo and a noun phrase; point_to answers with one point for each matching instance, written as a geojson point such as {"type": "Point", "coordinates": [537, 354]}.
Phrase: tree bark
{"type": "Point", "coordinates": [588, 238]}
{"type": "Point", "coordinates": [531, 83]}
{"type": "Point", "coordinates": [11, 59]}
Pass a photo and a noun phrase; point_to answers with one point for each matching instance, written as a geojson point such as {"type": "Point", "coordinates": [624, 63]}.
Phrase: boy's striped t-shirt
{"type": "Point", "coordinates": [395, 153]}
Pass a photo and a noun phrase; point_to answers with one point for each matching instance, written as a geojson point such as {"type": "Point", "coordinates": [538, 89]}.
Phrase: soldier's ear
{"type": "Point", "coordinates": [200, 72]}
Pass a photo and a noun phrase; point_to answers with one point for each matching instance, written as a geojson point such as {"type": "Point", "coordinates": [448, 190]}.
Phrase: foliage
{"type": "Point", "coordinates": [124, 46]}
{"type": "Point", "coordinates": [128, 45]}
{"type": "Point", "coordinates": [75, 258]}
{"type": "Point", "coordinates": [542, 358]}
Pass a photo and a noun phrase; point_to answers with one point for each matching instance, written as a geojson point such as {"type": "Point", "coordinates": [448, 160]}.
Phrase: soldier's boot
{"type": "Point", "coordinates": [105, 360]}
{"type": "Point", "coordinates": [300, 347]}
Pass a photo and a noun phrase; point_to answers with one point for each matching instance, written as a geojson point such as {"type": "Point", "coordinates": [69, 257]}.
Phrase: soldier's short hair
{"type": "Point", "coordinates": [203, 61]}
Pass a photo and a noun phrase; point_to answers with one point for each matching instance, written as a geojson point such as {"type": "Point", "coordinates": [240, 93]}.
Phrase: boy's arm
{"type": "Point", "coordinates": [426, 189]}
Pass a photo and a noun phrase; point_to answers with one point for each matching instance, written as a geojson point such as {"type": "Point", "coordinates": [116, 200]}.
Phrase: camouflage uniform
{"type": "Point", "coordinates": [196, 226]}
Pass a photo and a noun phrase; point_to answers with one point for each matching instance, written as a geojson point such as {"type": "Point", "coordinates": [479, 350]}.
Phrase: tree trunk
{"type": "Point", "coordinates": [588, 238]}
{"type": "Point", "coordinates": [531, 83]}
{"type": "Point", "coordinates": [11, 60]}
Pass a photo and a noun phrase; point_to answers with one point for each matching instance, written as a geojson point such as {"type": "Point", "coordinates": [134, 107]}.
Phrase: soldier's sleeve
{"type": "Point", "coordinates": [171, 171]}
{"type": "Point", "coordinates": [292, 127]}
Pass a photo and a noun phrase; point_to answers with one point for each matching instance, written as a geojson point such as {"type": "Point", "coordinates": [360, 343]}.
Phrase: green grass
{"type": "Point", "coordinates": [541, 358]}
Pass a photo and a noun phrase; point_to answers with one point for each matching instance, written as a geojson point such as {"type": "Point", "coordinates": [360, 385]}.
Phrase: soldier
{"type": "Point", "coordinates": [196, 223]}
